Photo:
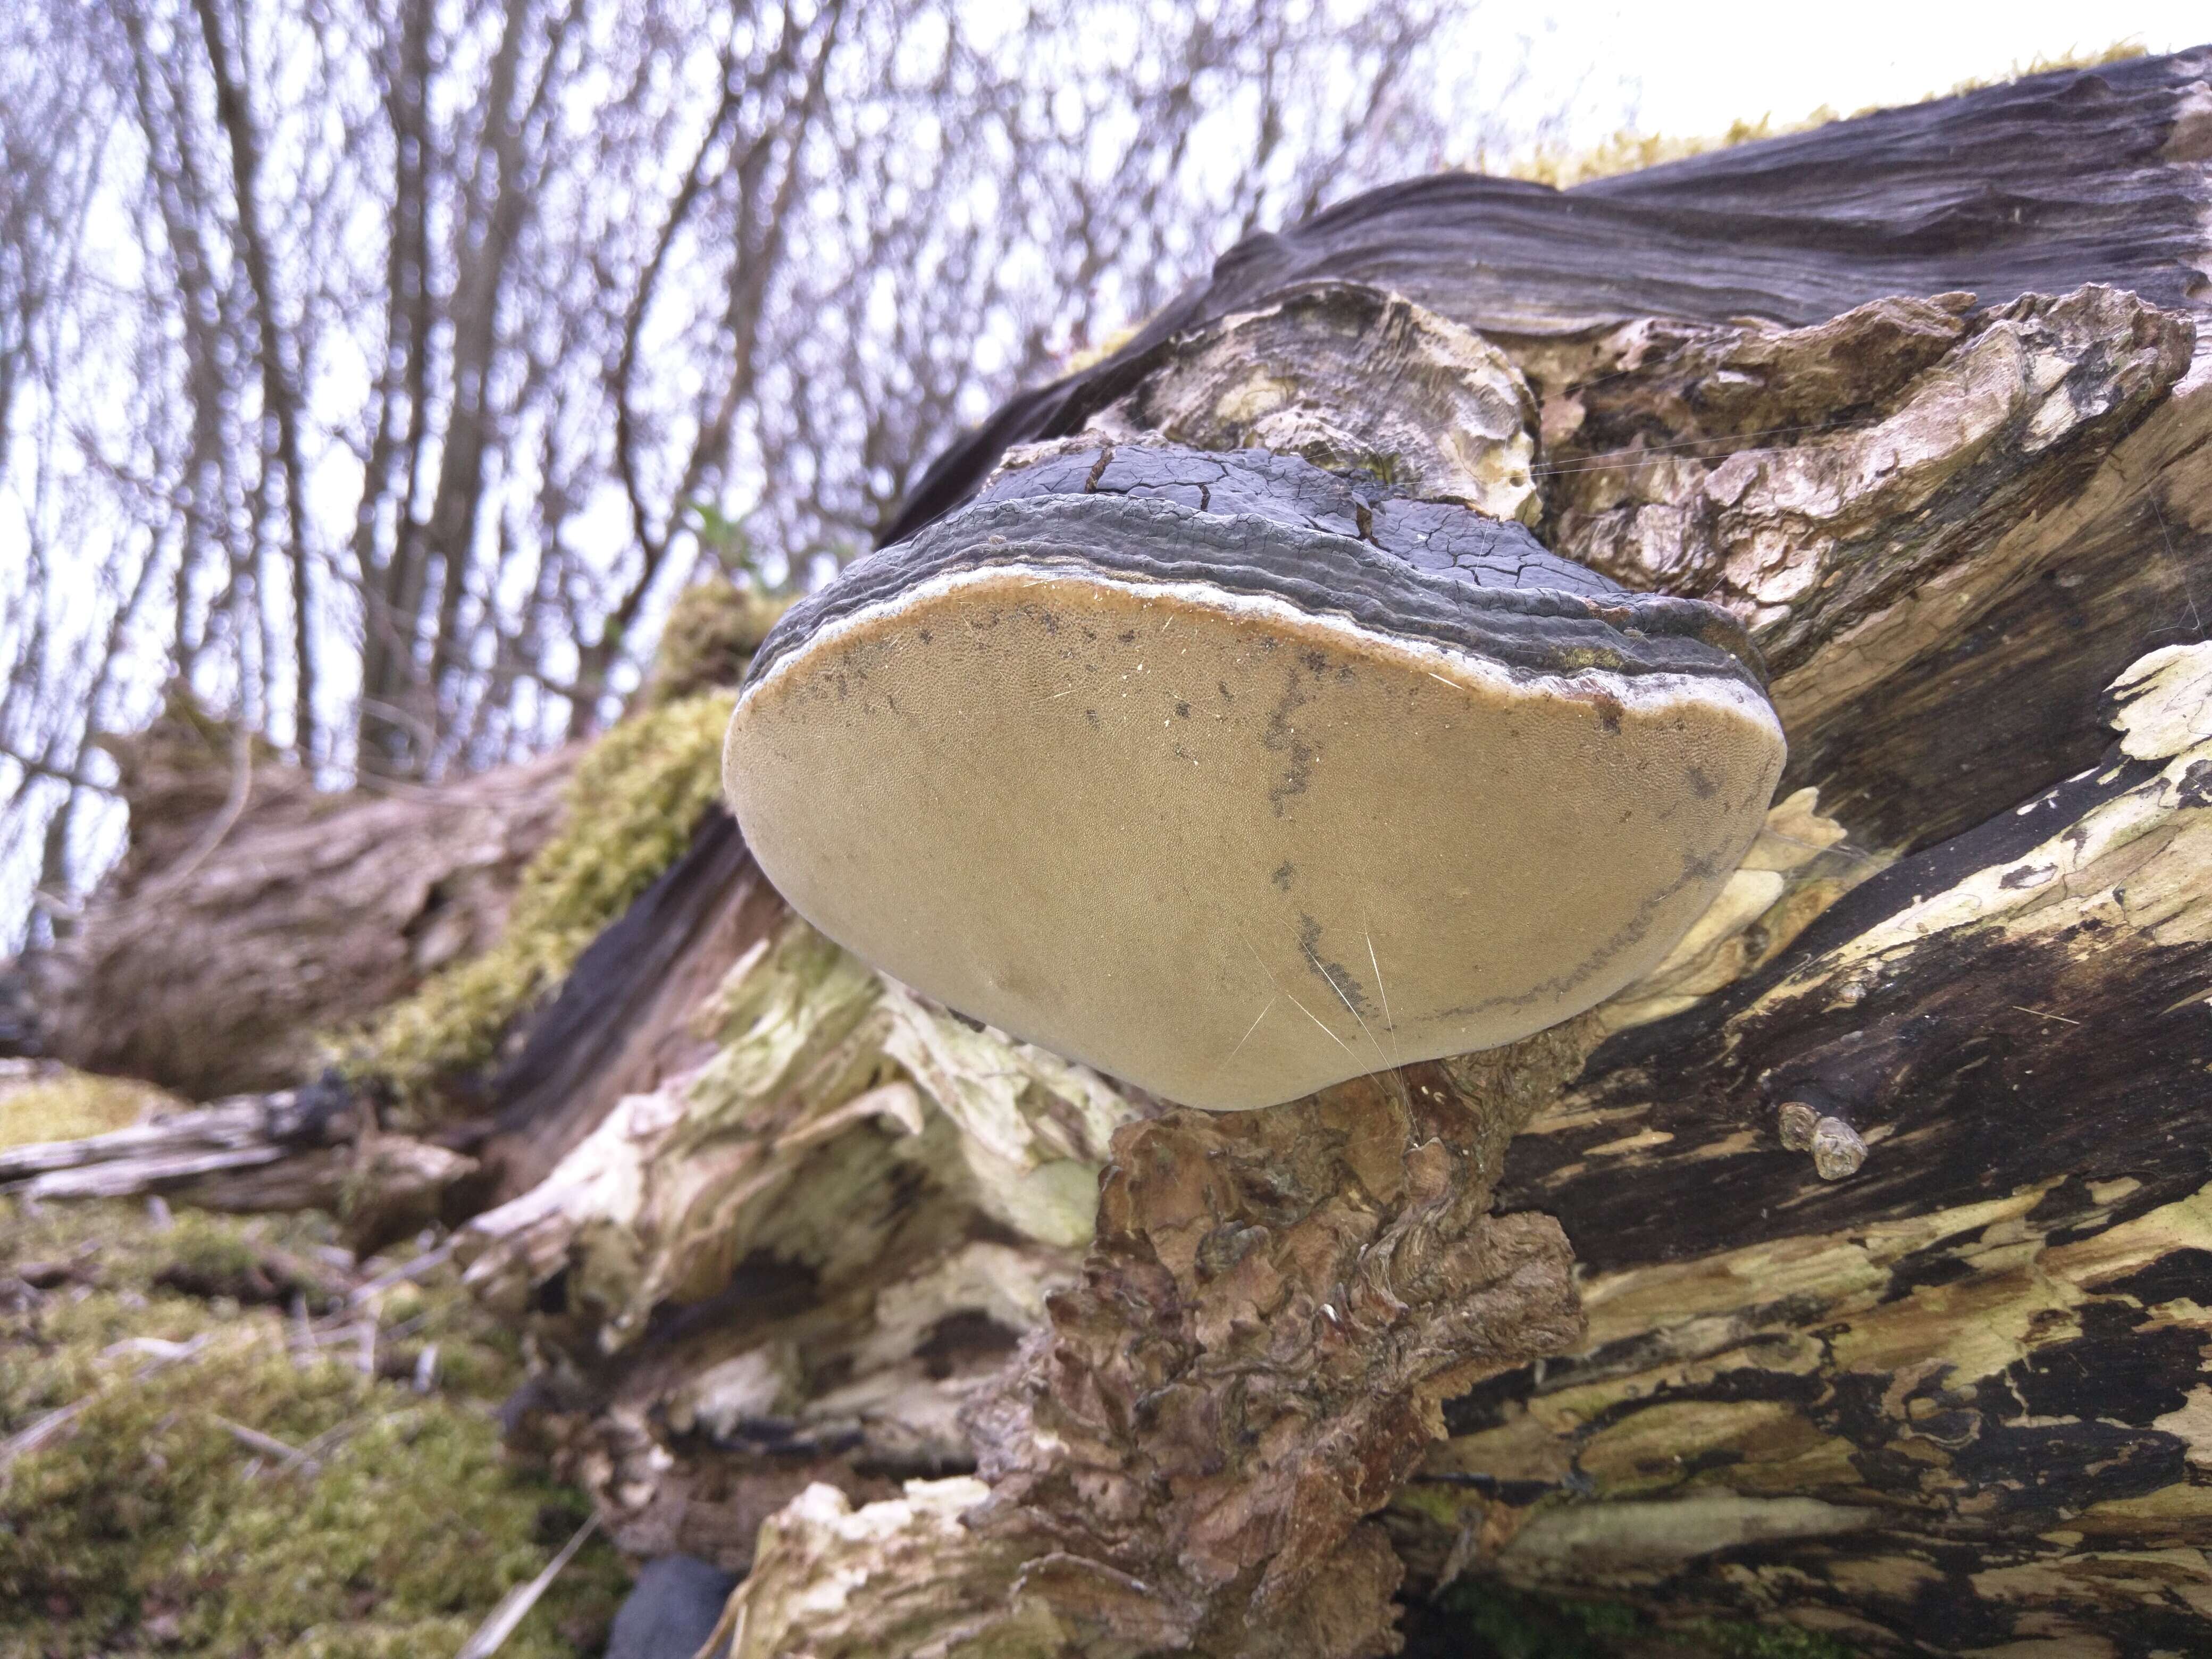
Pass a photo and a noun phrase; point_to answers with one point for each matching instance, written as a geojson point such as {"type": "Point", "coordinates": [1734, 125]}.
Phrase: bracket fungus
{"type": "Point", "coordinates": [1235, 777]}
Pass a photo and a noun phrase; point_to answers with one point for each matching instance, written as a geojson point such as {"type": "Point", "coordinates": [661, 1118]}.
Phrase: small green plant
{"type": "Point", "coordinates": [724, 539]}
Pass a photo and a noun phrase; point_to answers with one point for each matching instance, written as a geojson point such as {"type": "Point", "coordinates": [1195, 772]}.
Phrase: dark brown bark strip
{"type": "Point", "coordinates": [1957, 195]}
{"type": "Point", "coordinates": [619, 1024]}
{"type": "Point", "coordinates": [1957, 1398]}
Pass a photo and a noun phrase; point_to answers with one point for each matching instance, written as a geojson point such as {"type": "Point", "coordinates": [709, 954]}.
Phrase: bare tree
{"type": "Point", "coordinates": [370, 369]}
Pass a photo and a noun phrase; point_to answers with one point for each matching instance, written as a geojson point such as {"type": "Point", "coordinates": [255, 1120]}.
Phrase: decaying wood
{"type": "Point", "coordinates": [1274, 1309]}
{"type": "Point", "coordinates": [618, 1025]}
{"type": "Point", "coordinates": [1855, 1268]}
{"type": "Point", "coordinates": [1960, 1395]}
{"type": "Point", "coordinates": [297, 1149]}
{"type": "Point", "coordinates": [795, 1261]}
{"type": "Point", "coordinates": [252, 914]}
{"type": "Point", "coordinates": [1970, 505]}
{"type": "Point", "coordinates": [1182, 1459]}
{"type": "Point", "coordinates": [238, 1134]}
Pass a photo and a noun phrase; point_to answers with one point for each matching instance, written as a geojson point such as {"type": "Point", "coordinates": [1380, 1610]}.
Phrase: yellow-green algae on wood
{"type": "Point", "coordinates": [826, 1081]}
{"type": "Point", "coordinates": [145, 1527]}
{"type": "Point", "coordinates": [632, 804]}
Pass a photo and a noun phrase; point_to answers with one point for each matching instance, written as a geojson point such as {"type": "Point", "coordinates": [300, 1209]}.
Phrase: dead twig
{"type": "Point", "coordinates": [517, 1602]}
{"type": "Point", "coordinates": [424, 1263]}
{"type": "Point", "coordinates": [29, 1439]}
{"type": "Point", "coordinates": [287, 1454]}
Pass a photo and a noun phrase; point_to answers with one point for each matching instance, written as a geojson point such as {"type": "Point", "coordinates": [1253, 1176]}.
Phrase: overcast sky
{"type": "Point", "coordinates": [1693, 68]}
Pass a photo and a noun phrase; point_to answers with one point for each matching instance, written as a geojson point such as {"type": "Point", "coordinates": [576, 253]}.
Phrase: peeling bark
{"type": "Point", "coordinates": [1347, 378]}
{"type": "Point", "coordinates": [795, 1260]}
{"type": "Point", "coordinates": [1932, 516]}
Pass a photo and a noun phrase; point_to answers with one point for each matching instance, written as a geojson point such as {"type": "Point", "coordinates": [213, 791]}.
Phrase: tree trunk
{"type": "Point", "coordinates": [1853, 1269]}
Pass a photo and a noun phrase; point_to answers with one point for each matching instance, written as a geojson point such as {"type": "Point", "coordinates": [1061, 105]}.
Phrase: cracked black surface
{"type": "Point", "coordinates": [1256, 524]}
{"type": "Point", "coordinates": [1290, 490]}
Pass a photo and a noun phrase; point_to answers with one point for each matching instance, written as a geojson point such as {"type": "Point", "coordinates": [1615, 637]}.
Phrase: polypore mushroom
{"type": "Point", "coordinates": [1234, 777]}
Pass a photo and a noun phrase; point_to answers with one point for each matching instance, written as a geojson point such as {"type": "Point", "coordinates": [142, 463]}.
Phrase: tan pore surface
{"type": "Point", "coordinates": [1226, 852]}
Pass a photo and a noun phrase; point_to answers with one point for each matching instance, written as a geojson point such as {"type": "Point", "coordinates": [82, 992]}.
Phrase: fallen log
{"type": "Point", "coordinates": [1886, 1402]}
{"type": "Point", "coordinates": [254, 918]}
{"type": "Point", "coordinates": [1886, 1312]}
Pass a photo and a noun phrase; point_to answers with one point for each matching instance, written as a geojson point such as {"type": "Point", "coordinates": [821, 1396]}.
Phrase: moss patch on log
{"type": "Point", "coordinates": [40, 1100]}
{"type": "Point", "coordinates": [632, 804]}
{"type": "Point", "coordinates": [151, 1521]}
{"type": "Point", "coordinates": [709, 640]}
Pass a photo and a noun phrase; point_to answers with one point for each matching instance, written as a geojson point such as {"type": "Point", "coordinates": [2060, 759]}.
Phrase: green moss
{"type": "Point", "coordinates": [209, 1246]}
{"type": "Point", "coordinates": [634, 800]}
{"type": "Point", "coordinates": [1515, 1624]}
{"type": "Point", "coordinates": [44, 1101]}
{"type": "Point", "coordinates": [1731, 1640]}
{"type": "Point", "coordinates": [147, 1526]}
{"type": "Point", "coordinates": [713, 630]}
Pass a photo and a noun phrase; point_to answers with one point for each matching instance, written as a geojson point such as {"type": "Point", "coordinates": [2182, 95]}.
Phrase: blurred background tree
{"type": "Point", "coordinates": [378, 371]}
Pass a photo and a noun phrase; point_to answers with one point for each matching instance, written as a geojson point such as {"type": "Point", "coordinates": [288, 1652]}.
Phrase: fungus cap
{"type": "Point", "coordinates": [1235, 778]}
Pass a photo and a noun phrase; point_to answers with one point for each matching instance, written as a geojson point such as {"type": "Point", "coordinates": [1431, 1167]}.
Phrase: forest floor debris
{"type": "Point", "coordinates": [214, 1471]}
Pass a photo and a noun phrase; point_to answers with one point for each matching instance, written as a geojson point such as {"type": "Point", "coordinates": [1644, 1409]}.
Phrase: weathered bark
{"type": "Point", "coordinates": [254, 916]}
{"type": "Point", "coordinates": [1962, 527]}
{"type": "Point", "coordinates": [1354, 378]}
{"type": "Point", "coordinates": [1275, 1306]}
{"type": "Point", "coordinates": [2037, 187]}
{"type": "Point", "coordinates": [1959, 1397]}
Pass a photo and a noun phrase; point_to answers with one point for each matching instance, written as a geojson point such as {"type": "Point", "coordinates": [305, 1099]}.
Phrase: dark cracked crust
{"type": "Point", "coordinates": [1254, 524]}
